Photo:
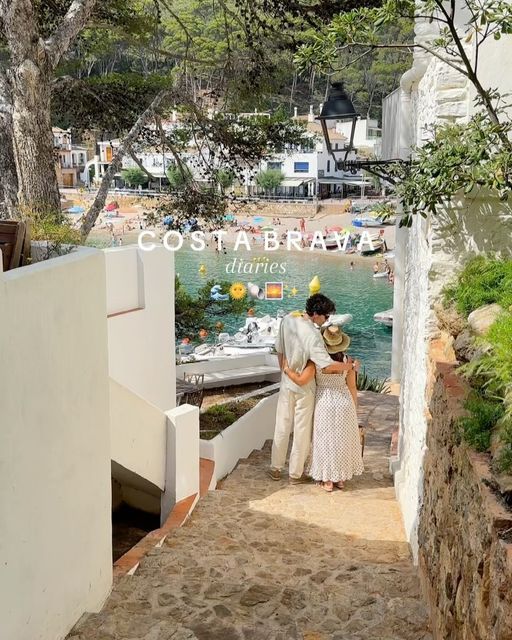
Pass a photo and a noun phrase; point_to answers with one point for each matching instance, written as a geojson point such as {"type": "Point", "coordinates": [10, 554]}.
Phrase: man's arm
{"type": "Point", "coordinates": [323, 361]}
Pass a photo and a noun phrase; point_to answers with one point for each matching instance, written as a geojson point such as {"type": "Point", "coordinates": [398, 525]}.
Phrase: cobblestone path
{"type": "Point", "coordinates": [263, 560]}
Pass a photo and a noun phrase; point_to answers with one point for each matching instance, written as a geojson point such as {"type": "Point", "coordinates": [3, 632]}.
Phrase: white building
{"type": "Point", "coordinates": [71, 158]}
{"type": "Point", "coordinates": [367, 134]}
{"type": "Point", "coordinates": [308, 173]}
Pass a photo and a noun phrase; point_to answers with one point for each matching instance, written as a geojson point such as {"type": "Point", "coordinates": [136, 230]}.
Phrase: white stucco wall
{"type": "Point", "coordinates": [140, 303]}
{"type": "Point", "coordinates": [408, 466]}
{"type": "Point", "coordinates": [493, 67]}
{"type": "Point", "coordinates": [138, 434]}
{"type": "Point", "coordinates": [434, 250]}
{"type": "Point", "coordinates": [55, 536]}
{"type": "Point", "coordinates": [238, 441]}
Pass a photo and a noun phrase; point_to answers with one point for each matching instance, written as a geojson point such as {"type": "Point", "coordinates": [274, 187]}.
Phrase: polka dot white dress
{"type": "Point", "coordinates": [336, 450]}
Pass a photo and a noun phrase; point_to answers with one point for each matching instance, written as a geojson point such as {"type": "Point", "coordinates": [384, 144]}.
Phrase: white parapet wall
{"type": "Point", "coordinates": [55, 495]}
{"type": "Point", "coordinates": [140, 307]}
{"type": "Point", "coordinates": [182, 477]}
{"type": "Point", "coordinates": [139, 437]}
{"type": "Point", "coordinates": [237, 441]}
{"type": "Point", "coordinates": [234, 370]}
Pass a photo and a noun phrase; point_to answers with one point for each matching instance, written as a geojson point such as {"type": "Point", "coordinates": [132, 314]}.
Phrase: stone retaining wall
{"type": "Point", "coordinates": [278, 209]}
{"type": "Point", "coordinates": [465, 533]}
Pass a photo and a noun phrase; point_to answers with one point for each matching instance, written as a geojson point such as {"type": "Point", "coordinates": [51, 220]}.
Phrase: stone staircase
{"type": "Point", "coordinates": [266, 560]}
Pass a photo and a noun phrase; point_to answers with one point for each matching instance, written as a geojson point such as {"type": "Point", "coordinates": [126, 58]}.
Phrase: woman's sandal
{"type": "Point", "coordinates": [340, 484]}
{"type": "Point", "coordinates": [327, 486]}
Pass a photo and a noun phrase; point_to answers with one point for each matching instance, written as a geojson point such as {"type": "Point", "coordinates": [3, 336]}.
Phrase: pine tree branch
{"type": "Point", "coordinates": [414, 45]}
{"type": "Point", "coordinates": [134, 157]}
{"type": "Point", "coordinates": [116, 163]}
{"type": "Point", "coordinates": [73, 22]}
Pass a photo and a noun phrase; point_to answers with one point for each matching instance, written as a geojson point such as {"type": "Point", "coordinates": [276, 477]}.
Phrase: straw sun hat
{"type": "Point", "coordinates": [335, 340]}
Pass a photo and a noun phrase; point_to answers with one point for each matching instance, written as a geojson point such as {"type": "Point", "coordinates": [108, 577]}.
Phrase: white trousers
{"type": "Point", "coordinates": [294, 412]}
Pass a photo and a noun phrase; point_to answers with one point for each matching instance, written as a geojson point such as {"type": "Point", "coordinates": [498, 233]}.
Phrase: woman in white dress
{"type": "Point", "coordinates": [336, 447]}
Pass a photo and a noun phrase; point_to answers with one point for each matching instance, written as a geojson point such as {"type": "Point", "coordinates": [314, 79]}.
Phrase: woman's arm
{"type": "Point", "coordinates": [341, 367]}
{"type": "Point", "coordinates": [301, 378]}
{"type": "Point", "coordinates": [351, 384]}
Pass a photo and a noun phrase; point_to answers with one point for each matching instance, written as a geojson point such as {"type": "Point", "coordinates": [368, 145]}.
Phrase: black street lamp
{"type": "Point", "coordinates": [339, 107]}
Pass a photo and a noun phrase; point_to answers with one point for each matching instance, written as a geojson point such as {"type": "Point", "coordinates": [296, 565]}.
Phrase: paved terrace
{"type": "Point", "coordinates": [263, 560]}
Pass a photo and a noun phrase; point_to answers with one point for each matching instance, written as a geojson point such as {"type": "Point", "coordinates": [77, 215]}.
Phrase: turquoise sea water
{"type": "Point", "coordinates": [355, 292]}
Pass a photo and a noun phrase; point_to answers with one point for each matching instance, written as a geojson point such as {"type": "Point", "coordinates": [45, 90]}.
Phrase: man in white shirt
{"type": "Point", "coordinates": [298, 341]}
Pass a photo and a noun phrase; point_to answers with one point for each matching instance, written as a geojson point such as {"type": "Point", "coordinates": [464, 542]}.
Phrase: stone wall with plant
{"type": "Point", "coordinates": [465, 528]}
{"type": "Point", "coordinates": [477, 312]}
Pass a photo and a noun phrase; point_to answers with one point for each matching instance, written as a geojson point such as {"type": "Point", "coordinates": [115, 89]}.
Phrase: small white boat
{"type": "Point", "coordinates": [384, 317]}
{"type": "Point", "coordinates": [378, 245]}
{"type": "Point", "coordinates": [335, 240]}
{"type": "Point", "coordinates": [380, 274]}
{"type": "Point", "coordinates": [367, 221]}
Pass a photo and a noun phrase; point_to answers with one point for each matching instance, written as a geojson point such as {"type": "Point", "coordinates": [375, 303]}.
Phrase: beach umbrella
{"type": "Point", "coordinates": [76, 209]}
{"type": "Point", "coordinates": [258, 219]}
{"type": "Point", "coordinates": [330, 229]}
{"type": "Point", "coordinates": [112, 206]}
{"type": "Point", "coordinates": [267, 227]}
{"type": "Point", "coordinates": [229, 217]}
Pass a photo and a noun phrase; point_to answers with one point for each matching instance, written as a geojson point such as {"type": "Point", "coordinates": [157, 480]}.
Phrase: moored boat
{"type": "Point", "coordinates": [377, 246]}
{"type": "Point", "coordinates": [367, 221]}
{"type": "Point", "coordinates": [384, 317]}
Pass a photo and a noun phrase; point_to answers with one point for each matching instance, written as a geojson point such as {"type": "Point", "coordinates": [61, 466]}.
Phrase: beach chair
{"type": "Point", "coordinates": [14, 243]}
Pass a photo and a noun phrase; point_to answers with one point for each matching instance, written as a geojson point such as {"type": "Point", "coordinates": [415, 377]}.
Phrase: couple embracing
{"type": "Point", "coordinates": [317, 400]}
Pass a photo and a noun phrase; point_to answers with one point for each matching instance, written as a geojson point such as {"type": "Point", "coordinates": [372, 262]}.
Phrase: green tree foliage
{"type": "Point", "coordinates": [193, 313]}
{"type": "Point", "coordinates": [370, 78]}
{"type": "Point", "coordinates": [459, 157]}
{"type": "Point", "coordinates": [134, 176]}
{"type": "Point", "coordinates": [224, 178]}
{"type": "Point", "coordinates": [270, 179]}
{"type": "Point", "coordinates": [179, 177]}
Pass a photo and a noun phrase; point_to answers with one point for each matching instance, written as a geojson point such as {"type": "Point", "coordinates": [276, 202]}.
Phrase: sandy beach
{"type": "Point", "coordinates": [122, 226]}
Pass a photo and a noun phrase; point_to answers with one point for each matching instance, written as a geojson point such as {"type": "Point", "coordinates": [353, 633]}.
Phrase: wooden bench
{"type": "Point", "coordinates": [14, 243]}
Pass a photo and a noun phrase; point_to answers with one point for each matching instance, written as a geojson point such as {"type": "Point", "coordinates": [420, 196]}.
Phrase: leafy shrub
{"type": "Point", "coordinates": [504, 460]}
{"type": "Point", "coordinates": [270, 179]}
{"type": "Point", "coordinates": [483, 414]}
{"type": "Point", "coordinates": [134, 177]}
{"type": "Point", "coordinates": [55, 232]}
{"type": "Point", "coordinates": [492, 370]}
{"type": "Point", "coordinates": [483, 281]}
{"type": "Point", "coordinates": [365, 383]}
{"type": "Point", "coordinates": [220, 416]}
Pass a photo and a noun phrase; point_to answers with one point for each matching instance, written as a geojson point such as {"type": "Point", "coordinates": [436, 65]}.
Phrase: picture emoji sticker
{"type": "Point", "coordinates": [273, 290]}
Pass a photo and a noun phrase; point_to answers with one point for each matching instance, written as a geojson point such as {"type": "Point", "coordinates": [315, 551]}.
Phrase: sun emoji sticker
{"type": "Point", "coordinates": [237, 290]}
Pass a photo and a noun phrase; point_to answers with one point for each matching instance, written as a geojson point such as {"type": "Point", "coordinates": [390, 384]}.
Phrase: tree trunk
{"type": "Point", "coordinates": [9, 179]}
{"type": "Point", "coordinates": [33, 139]}
{"type": "Point", "coordinates": [116, 163]}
